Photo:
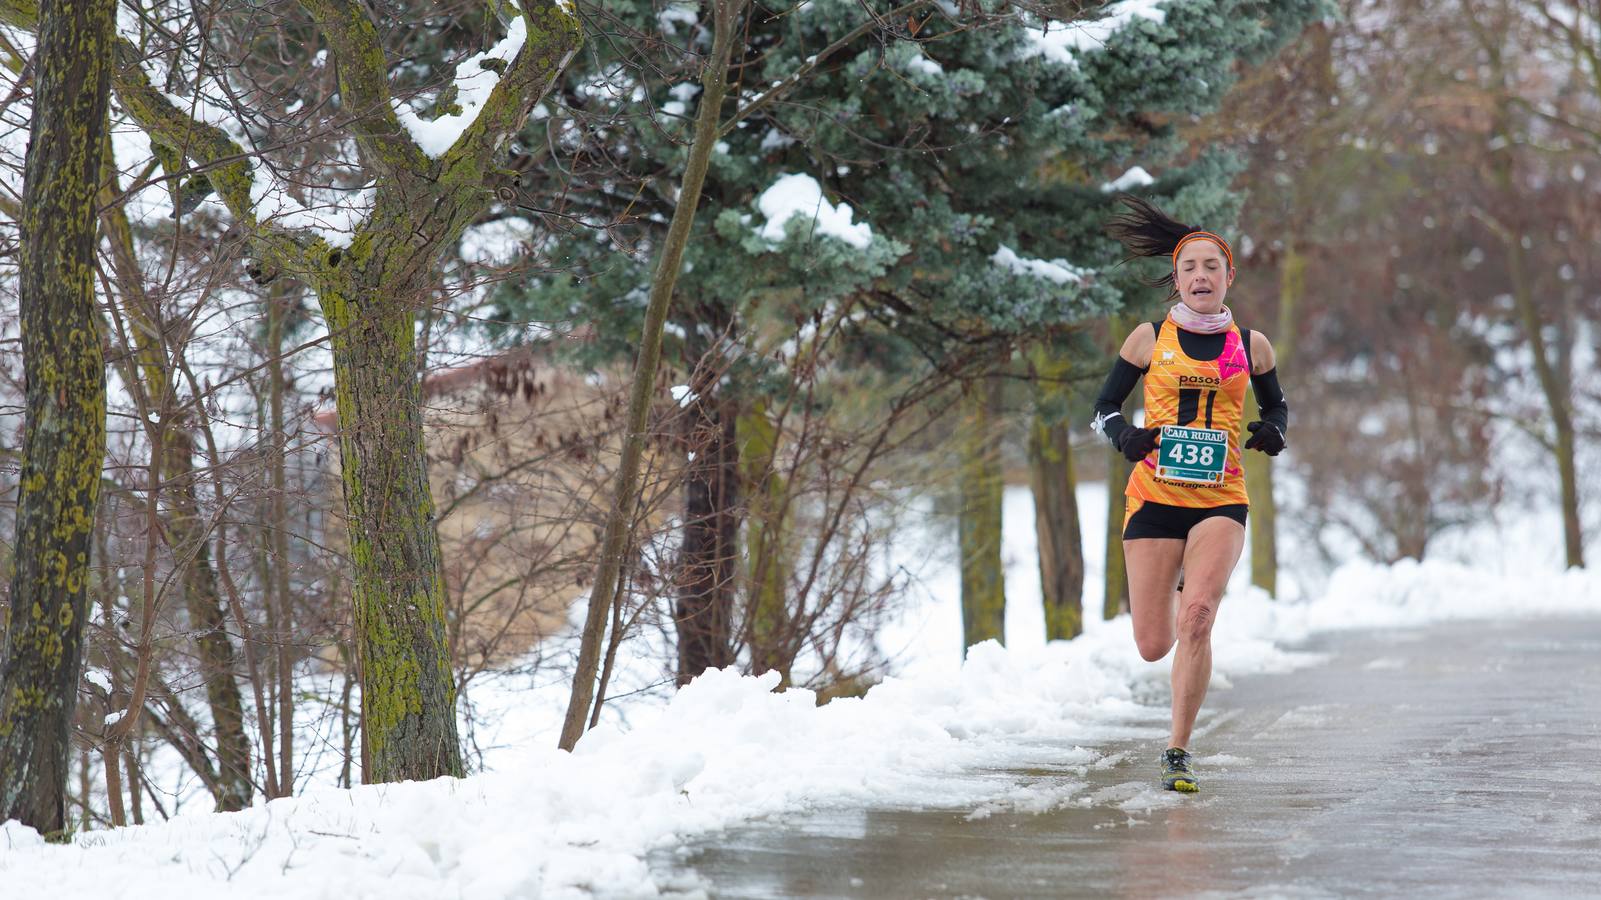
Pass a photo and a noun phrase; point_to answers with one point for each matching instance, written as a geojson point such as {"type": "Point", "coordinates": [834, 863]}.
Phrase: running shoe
{"type": "Point", "coordinates": [1176, 772]}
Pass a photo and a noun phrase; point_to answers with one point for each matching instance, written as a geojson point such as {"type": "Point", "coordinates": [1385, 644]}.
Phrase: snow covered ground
{"type": "Point", "coordinates": [545, 823]}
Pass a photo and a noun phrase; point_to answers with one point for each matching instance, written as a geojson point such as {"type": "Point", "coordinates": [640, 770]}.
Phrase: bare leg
{"type": "Point", "coordinates": [1153, 569]}
{"type": "Point", "coordinates": [1210, 554]}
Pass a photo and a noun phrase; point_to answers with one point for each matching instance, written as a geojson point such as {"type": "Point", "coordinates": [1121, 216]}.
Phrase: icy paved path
{"type": "Point", "coordinates": [1462, 760]}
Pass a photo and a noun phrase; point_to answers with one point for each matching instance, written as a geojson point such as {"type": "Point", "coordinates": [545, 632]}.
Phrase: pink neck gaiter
{"type": "Point", "coordinates": [1200, 323]}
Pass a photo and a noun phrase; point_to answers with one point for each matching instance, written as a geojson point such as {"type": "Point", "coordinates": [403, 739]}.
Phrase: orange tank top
{"type": "Point", "coordinates": [1181, 390]}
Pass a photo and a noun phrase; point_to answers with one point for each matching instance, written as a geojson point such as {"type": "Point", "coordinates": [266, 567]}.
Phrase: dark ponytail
{"type": "Point", "coordinates": [1147, 231]}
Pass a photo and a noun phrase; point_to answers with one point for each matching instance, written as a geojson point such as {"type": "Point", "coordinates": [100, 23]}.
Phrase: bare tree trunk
{"type": "Point", "coordinates": [278, 539]}
{"type": "Point", "coordinates": [210, 624]}
{"type": "Point", "coordinates": [64, 437]}
{"type": "Point", "coordinates": [85, 787]}
{"type": "Point", "coordinates": [979, 519]}
{"type": "Point", "coordinates": [135, 802]}
{"type": "Point", "coordinates": [1558, 391]}
{"type": "Point", "coordinates": [1056, 525]}
{"type": "Point", "coordinates": [613, 642]}
{"type": "Point", "coordinates": [113, 769]}
{"type": "Point", "coordinates": [709, 553]}
{"type": "Point", "coordinates": [1114, 598]}
{"type": "Point", "coordinates": [347, 732]}
{"type": "Point", "coordinates": [714, 86]}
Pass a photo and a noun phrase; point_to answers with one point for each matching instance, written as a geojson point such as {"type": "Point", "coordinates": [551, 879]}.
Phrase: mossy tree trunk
{"type": "Point", "coordinates": [766, 613]}
{"type": "Point", "coordinates": [369, 291]}
{"type": "Point", "coordinates": [408, 697]}
{"type": "Point", "coordinates": [982, 487]}
{"type": "Point", "coordinates": [1056, 524]}
{"type": "Point", "coordinates": [64, 437]}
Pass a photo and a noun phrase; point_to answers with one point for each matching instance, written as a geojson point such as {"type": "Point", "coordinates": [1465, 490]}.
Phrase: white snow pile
{"type": "Point", "coordinates": [1061, 42]}
{"type": "Point", "coordinates": [801, 195]}
{"type": "Point", "coordinates": [1135, 177]}
{"type": "Point", "coordinates": [727, 749]}
{"type": "Point", "coordinates": [1059, 271]}
{"type": "Point", "coordinates": [474, 83]}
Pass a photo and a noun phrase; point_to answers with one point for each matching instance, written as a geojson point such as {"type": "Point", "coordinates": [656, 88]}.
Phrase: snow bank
{"type": "Point", "coordinates": [801, 195]}
{"type": "Point", "coordinates": [727, 749]}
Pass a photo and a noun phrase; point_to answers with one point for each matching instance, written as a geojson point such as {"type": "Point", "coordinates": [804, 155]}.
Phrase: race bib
{"type": "Point", "coordinates": [1192, 454]}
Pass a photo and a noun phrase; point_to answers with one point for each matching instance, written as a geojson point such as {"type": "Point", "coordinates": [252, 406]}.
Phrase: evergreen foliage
{"type": "Point", "coordinates": [947, 176]}
{"type": "Point", "coordinates": [962, 140]}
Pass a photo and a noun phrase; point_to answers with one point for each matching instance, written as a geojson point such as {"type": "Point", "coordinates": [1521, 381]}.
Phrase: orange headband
{"type": "Point", "coordinates": [1203, 235]}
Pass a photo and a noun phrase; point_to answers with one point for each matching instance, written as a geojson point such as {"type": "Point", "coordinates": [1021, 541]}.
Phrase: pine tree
{"type": "Point", "coordinates": [974, 148]}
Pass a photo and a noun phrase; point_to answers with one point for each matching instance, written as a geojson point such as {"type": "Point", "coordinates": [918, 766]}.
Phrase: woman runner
{"type": "Point", "coordinates": [1186, 495]}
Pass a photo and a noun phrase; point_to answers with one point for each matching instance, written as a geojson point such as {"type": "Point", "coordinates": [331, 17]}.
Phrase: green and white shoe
{"type": "Point", "coordinates": [1176, 772]}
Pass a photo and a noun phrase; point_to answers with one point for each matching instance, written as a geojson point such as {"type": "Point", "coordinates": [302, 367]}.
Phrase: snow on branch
{"type": "Point", "coordinates": [1059, 271]}
{"type": "Point", "coordinates": [1135, 177]}
{"type": "Point", "coordinates": [1061, 42]}
{"type": "Point", "coordinates": [801, 195]}
{"type": "Point", "coordinates": [474, 82]}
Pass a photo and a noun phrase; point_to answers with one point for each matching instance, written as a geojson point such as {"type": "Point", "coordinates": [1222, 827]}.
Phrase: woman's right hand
{"type": "Point", "coordinates": [1137, 443]}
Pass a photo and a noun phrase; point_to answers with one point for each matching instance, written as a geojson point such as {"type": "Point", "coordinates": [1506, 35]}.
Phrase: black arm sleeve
{"type": "Point", "coordinates": [1109, 405]}
{"type": "Point", "coordinates": [1270, 399]}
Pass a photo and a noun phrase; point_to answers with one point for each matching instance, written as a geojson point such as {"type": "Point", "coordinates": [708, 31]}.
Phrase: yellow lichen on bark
{"type": "Point", "coordinates": [64, 433]}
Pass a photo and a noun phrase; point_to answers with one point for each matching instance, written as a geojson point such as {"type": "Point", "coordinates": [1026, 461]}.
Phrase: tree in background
{"type": "Point", "coordinates": [960, 106]}
{"type": "Point", "coordinates": [1530, 101]}
{"type": "Point", "coordinates": [1286, 118]}
{"type": "Point", "coordinates": [1153, 123]}
{"type": "Point", "coordinates": [727, 290]}
{"type": "Point", "coordinates": [1384, 197]}
{"type": "Point", "coordinates": [371, 263]}
{"type": "Point", "coordinates": [65, 438]}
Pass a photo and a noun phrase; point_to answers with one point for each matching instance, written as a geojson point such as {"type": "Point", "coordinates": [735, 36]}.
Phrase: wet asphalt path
{"type": "Point", "coordinates": [1461, 760]}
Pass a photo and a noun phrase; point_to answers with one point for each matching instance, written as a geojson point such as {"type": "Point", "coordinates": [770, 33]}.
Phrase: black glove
{"type": "Point", "coordinates": [1137, 443]}
{"type": "Point", "coordinates": [1266, 437]}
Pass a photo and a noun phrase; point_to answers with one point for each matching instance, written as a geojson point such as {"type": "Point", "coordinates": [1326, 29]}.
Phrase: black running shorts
{"type": "Point", "coordinates": [1158, 520]}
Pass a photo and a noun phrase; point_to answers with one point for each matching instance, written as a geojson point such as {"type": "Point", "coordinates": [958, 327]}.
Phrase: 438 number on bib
{"type": "Point", "coordinates": [1192, 454]}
